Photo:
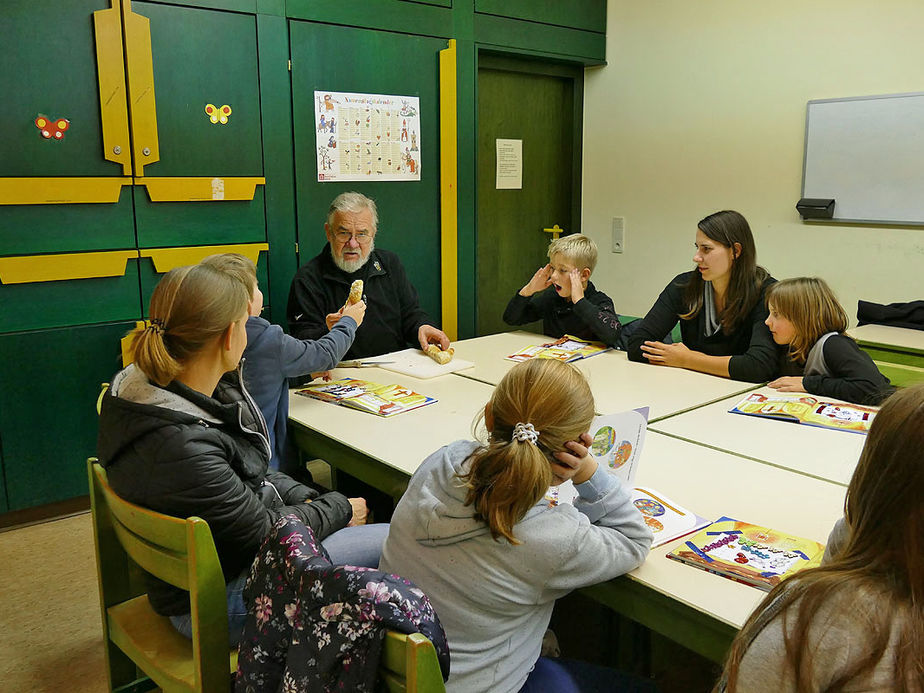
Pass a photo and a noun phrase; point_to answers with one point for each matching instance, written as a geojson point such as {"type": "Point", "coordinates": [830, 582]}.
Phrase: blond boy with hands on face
{"type": "Point", "coordinates": [563, 297]}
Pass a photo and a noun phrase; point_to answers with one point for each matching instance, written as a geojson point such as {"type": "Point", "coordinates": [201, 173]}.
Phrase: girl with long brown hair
{"type": "Point", "coordinates": [719, 305]}
{"type": "Point", "coordinates": [180, 434]}
{"type": "Point", "coordinates": [857, 622]}
{"type": "Point", "coordinates": [805, 316]}
{"type": "Point", "coordinates": [474, 531]}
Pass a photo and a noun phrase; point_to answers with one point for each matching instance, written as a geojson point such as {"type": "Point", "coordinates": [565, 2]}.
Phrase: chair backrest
{"type": "Point", "coordinates": [179, 552]}
{"type": "Point", "coordinates": [409, 664]}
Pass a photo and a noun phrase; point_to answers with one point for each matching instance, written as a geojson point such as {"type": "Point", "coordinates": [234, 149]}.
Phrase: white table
{"type": "Point", "coordinates": [617, 383]}
{"type": "Point", "coordinates": [824, 454]}
{"type": "Point", "coordinates": [381, 451]}
{"type": "Point", "coordinates": [897, 338]}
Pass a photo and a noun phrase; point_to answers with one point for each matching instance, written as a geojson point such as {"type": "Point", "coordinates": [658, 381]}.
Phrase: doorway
{"type": "Point", "coordinates": [541, 104]}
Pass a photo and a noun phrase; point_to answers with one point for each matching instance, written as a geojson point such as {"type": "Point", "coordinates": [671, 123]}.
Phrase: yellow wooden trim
{"type": "Point", "coordinates": [202, 189]}
{"type": "Point", "coordinates": [127, 343]}
{"type": "Point", "coordinates": [52, 191]}
{"type": "Point", "coordinates": [142, 110]}
{"type": "Point", "coordinates": [166, 259]}
{"type": "Point", "coordinates": [449, 201]}
{"type": "Point", "coordinates": [26, 269]}
{"type": "Point", "coordinates": [110, 69]}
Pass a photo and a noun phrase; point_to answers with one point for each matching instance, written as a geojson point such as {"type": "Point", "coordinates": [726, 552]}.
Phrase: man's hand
{"type": "Point", "coordinates": [675, 355]}
{"type": "Point", "coordinates": [359, 512]}
{"type": "Point", "coordinates": [789, 383]}
{"type": "Point", "coordinates": [574, 462]}
{"type": "Point", "coordinates": [324, 375]}
{"type": "Point", "coordinates": [540, 281]}
{"type": "Point", "coordinates": [577, 286]}
{"type": "Point", "coordinates": [427, 334]}
{"type": "Point", "coordinates": [357, 311]}
{"type": "Point", "coordinates": [332, 318]}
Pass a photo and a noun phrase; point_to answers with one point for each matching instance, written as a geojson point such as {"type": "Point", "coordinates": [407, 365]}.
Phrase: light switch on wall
{"type": "Point", "coordinates": [619, 234]}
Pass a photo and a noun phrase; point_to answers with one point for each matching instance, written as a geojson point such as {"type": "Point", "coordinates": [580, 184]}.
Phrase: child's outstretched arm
{"type": "Point", "coordinates": [527, 304]}
{"type": "Point", "coordinates": [302, 356]}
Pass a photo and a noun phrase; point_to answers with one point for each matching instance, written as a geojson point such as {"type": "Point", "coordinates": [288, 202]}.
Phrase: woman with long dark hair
{"type": "Point", "coordinates": [720, 306]}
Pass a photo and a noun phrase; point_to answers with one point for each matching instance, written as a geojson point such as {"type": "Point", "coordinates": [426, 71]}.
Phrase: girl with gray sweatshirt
{"type": "Point", "coordinates": [475, 532]}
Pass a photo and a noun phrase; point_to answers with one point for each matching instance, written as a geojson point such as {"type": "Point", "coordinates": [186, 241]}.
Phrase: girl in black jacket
{"type": "Point", "coordinates": [805, 316]}
{"type": "Point", "coordinates": [720, 306]}
{"type": "Point", "coordinates": [178, 433]}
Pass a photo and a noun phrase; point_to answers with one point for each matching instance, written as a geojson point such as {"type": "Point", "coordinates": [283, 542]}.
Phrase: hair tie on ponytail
{"type": "Point", "coordinates": [157, 325]}
{"type": "Point", "coordinates": [525, 432]}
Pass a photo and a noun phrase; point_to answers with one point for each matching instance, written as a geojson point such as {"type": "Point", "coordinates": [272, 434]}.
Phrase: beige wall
{"type": "Point", "coordinates": [702, 107]}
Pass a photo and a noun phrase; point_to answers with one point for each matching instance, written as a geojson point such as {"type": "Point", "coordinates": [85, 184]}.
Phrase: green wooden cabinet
{"type": "Point", "coordinates": [51, 71]}
{"type": "Point", "coordinates": [366, 61]}
{"type": "Point", "coordinates": [51, 380]}
{"type": "Point", "coordinates": [31, 306]}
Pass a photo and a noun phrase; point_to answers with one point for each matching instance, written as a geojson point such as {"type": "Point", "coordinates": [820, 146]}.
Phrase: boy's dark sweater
{"type": "Point", "coordinates": [593, 317]}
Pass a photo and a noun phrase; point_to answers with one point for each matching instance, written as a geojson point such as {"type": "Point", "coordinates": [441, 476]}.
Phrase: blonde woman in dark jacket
{"type": "Point", "coordinates": [179, 434]}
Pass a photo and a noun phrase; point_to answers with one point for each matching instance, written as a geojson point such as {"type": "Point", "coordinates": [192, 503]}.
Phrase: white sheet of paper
{"type": "Point", "coordinates": [509, 164]}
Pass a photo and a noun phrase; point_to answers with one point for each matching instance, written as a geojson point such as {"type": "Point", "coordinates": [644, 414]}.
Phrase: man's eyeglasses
{"type": "Point", "coordinates": [362, 237]}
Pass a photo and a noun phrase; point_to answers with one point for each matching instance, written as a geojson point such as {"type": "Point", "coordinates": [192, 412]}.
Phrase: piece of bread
{"type": "Point", "coordinates": [356, 292]}
{"type": "Point", "coordinates": [440, 356]}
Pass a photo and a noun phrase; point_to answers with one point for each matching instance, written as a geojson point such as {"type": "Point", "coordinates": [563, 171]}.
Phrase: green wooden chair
{"type": "Point", "coordinates": [180, 552]}
{"type": "Point", "coordinates": [409, 664]}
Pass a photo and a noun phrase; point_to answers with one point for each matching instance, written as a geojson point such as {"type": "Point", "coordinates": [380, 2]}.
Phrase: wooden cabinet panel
{"type": "Point", "coordinates": [51, 380]}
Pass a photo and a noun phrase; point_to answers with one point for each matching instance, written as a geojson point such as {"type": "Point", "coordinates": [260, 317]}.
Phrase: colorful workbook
{"type": "Point", "coordinates": [382, 400]}
{"type": "Point", "coordinates": [809, 410]}
{"type": "Point", "coordinates": [666, 519]}
{"type": "Point", "coordinates": [617, 447]}
{"type": "Point", "coordinates": [754, 555]}
{"type": "Point", "coordinates": [566, 349]}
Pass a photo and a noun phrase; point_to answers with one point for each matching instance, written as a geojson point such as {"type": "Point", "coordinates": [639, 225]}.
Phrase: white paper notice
{"type": "Point", "coordinates": [509, 164]}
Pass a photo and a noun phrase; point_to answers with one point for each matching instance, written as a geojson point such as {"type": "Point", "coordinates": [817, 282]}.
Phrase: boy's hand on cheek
{"type": "Point", "coordinates": [577, 286]}
{"type": "Point", "coordinates": [575, 462]}
{"type": "Point", "coordinates": [540, 281]}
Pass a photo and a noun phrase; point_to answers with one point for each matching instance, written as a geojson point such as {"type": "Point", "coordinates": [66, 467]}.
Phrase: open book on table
{"type": "Point", "coordinates": [809, 410]}
{"type": "Point", "coordinates": [747, 553]}
{"type": "Point", "coordinates": [617, 446]}
{"type": "Point", "coordinates": [566, 349]}
{"type": "Point", "coordinates": [382, 400]}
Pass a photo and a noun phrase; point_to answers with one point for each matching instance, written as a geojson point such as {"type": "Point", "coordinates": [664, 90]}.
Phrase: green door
{"type": "Point", "coordinates": [539, 104]}
{"type": "Point", "coordinates": [336, 58]}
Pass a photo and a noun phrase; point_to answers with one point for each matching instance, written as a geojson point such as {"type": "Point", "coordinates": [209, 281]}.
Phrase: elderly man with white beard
{"type": "Point", "coordinates": [394, 319]}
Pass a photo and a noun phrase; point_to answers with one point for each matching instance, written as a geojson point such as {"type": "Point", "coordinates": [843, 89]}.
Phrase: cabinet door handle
{"type": "Point", "coordinates": [110, 69]}
{"type": "Point", "coordinates": [141, 107]}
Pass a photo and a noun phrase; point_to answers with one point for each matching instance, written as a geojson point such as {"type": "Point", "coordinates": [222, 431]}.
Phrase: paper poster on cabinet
{"type": "Point", "coordinates": [367, 136]}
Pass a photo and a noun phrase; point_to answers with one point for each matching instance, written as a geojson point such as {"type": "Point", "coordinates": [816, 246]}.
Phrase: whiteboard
{"type": "Point", "coordinates": [868, 154]}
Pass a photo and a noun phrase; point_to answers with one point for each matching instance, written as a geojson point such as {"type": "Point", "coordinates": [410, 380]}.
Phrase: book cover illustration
{"type": "Point", "coordinates": [617, 446]}
{"type": "Point", "coordinates": [756, 556]}
{"type": "Point", "coordinates": [666, 519]}
{"type": "Point", "coordinates": [566, 349]}
{"type": "Point", "coordinates": [808, 410]}
{"type": "Point", "coordinates": [382, 400]}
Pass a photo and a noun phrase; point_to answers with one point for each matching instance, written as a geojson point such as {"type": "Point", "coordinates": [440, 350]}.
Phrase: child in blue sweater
{"type": "Point", "coordinates": [272, 357]}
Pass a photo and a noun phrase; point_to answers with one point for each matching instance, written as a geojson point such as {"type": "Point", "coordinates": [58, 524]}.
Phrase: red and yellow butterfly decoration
{"type": "Point", "coordinates": [52, 128]}
{"type": "Point", "coordinates": [218, 115]}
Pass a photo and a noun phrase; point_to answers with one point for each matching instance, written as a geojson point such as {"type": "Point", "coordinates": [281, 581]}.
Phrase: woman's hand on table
{"type": "Point", "coordinates": [676, 355]}
{"type": "Point", "coordinates": [574, 462]}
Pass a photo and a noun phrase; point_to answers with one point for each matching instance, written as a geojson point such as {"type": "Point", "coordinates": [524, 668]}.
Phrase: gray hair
{"type": "Point", "coordinates": [355, 203]}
